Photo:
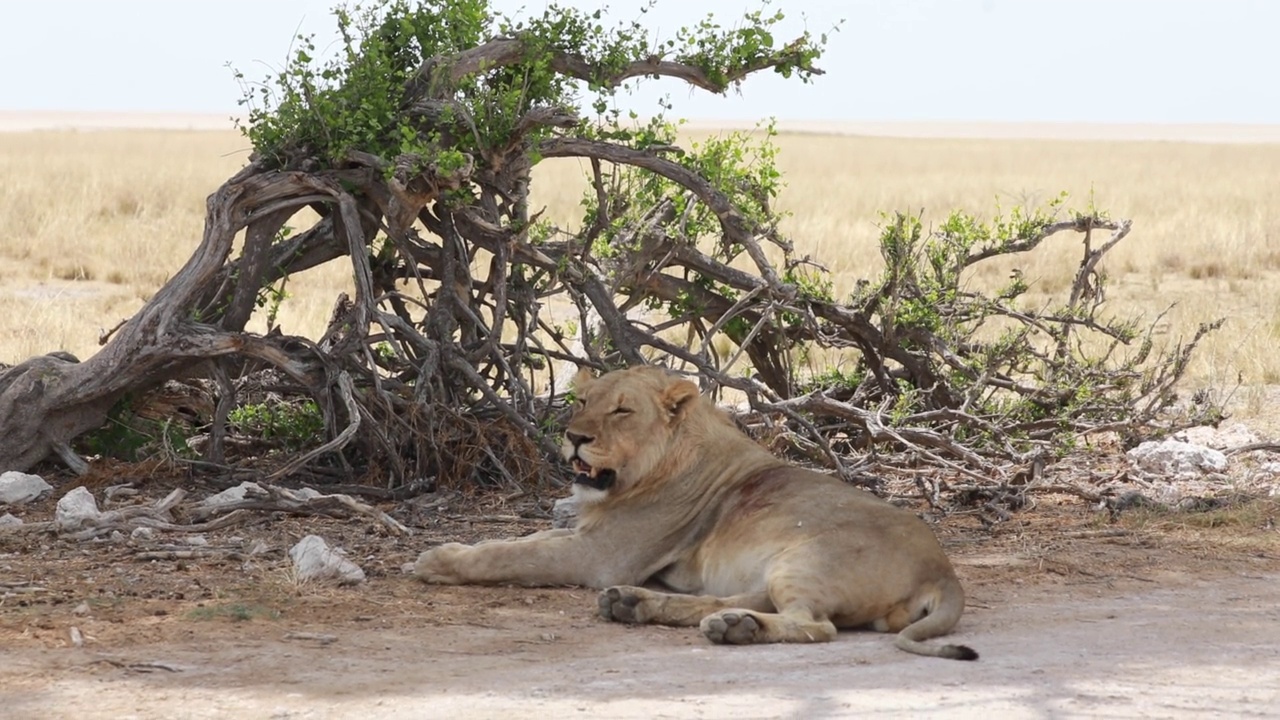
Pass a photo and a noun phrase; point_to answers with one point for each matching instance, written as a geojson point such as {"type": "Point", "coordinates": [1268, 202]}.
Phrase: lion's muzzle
{"type": "Point", "coordinates": [587, 475]}
{"type": "Point", "coordinates": [594, 478]}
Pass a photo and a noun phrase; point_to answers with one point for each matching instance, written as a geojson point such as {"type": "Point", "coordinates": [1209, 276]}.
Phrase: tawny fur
{"type": "Point", "coordinates": [745, 546]}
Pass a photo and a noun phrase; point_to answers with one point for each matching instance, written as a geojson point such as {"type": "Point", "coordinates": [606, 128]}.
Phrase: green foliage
{"type": "Point", "coordinates": [272, 297]}
{"type": "Point", "coordinates": [742, 165]}
{"type": "Point", "coordinates": [835, 378]}
{"type": "Point", "coordinates": [352, 100]}
{"type": "Point", "coordinates": [721, 52]}
{"type": "Point", "coordinates": [384, 351]}
{"type": "Point", "coordinates": [129, 437]}
{"type": "Point", "coordinates": [1036, 374]}
{"type": "Point", "coordinates": [356, 97]}
{"type": "Point", "coordinates": [923, 270]}
{"type": "Point", "coordinates": [292, 426]}
{"type": "Point", "coordinates": [811, 284]}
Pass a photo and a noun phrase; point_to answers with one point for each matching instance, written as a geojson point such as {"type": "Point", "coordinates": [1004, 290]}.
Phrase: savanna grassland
{"type": "Point", "coordinates": [95, 222]}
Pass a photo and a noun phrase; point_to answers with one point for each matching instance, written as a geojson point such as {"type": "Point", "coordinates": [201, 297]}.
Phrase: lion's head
{"type": "Point", "coordinates": [624, 427]}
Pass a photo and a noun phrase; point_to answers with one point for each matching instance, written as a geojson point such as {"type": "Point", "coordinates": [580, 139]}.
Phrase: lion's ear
{"type": "Point", "coordinates": [679, 396]}
{"type": "Point", "coordinates": [582, 378]}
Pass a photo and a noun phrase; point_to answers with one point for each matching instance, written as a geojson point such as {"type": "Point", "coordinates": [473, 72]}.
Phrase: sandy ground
{"type": "Point", "coordinates": [1209, 648]}
{"type": "Point", "coordinates": [21, 121]}
{"type": "Point", "coordinates": [1074, 617]}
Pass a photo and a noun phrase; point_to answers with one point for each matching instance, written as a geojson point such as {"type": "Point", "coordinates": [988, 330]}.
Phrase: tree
{"type": "Point", "coordinates": [414, 144]}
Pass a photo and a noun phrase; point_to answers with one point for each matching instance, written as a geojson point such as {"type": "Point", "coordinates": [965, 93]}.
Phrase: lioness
{"type": "Point", "coordinates": [753, 550]}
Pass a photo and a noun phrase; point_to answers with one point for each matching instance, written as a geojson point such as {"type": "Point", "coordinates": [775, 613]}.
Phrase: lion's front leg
{"type": "Point", "coordinates": [552, 559]}
{"type": "Point", "coordinates": [540, 535]}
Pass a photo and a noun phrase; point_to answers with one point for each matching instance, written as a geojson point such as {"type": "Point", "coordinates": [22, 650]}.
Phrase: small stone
{"type": "Point", "coordinates": [81, 609]}
{"type": "Point", "coordinates": [196, 540]}
{"type": "Point", "coordinates": [10, 520]}
{"type": "Point", "coordinates": [143, 534]}
{"type": "Point", "coordinates": [1174, 459]}
{"type": "Point", "coordinates": [313, 559]}
{"type": "Point", "coordinates": [75, 510]}
{"type": "Point", "coordinates": [18, 488]}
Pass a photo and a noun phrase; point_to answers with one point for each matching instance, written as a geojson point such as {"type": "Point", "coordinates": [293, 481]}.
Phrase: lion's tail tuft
{"type": "Point", "coordinates": [944, 609]}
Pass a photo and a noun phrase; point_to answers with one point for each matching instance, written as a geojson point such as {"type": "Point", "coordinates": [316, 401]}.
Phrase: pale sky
{"type": "Point", "coordinates": [1109, 61]}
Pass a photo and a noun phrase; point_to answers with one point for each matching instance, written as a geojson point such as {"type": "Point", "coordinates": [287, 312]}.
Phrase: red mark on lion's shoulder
{"type": "Point", "coordinates": [757, 492]}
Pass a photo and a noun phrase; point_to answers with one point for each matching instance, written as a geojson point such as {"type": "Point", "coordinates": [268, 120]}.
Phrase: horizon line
{"type": "Point", "coordinates": [1210, 132]}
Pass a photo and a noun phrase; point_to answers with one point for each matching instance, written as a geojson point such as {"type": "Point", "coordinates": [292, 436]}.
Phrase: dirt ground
{"type": "Point", "coordinates": [1075, 614]}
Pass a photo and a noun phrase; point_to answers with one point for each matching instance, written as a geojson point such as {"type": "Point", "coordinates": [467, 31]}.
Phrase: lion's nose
{"type": "Point", "coordinates": [575, 439]}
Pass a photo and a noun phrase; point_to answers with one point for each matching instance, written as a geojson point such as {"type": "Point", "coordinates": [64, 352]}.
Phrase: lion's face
{"type": "Point", "coordinates": [622, 427]}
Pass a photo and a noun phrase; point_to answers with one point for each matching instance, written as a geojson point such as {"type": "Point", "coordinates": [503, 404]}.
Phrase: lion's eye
{"type": "Point", "coordinates": [622, 411]}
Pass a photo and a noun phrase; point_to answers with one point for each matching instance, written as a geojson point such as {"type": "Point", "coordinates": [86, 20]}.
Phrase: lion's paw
{"type": "Point", "coordinates": [622, 604]}
{"type": "Point", "coordinates": [728, 627]}
{"type": "Point", "coordinates": [439, 565]}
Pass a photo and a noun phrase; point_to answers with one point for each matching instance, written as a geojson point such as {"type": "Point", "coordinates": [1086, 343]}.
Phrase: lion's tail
{"type": "Point", "coordinates": [943, 607]}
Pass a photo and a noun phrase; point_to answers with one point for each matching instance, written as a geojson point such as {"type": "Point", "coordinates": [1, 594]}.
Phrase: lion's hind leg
{"type": "Point", "coordinates": [735, 626]}
{"type": "Point", "coordinates": [799, 616]}
{"type": "Point", "coordinates": [630, 604]}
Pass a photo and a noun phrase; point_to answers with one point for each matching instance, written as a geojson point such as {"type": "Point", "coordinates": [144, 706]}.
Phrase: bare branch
{"type": "Point", "coordinates": [503, 52]}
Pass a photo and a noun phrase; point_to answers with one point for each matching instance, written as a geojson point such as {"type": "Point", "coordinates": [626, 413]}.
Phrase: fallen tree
{"type": "Point", "coordinates": [415, 147]}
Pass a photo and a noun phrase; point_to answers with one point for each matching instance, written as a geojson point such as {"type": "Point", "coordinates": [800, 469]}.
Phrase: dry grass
{"type": "Point", "coordinates": [1246, 526]}
{"type": "Point", "coordinates": [96, 222]}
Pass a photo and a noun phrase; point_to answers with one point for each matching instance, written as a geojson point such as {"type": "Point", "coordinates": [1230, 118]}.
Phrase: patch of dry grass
{"type": "Point", "coordinates": [96, 222]}
{"type": "Point", "coordinates": [1245, 526]}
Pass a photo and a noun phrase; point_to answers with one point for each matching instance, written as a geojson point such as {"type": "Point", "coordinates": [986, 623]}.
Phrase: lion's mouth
{"type": "Point", "coordinates": [592, 477]}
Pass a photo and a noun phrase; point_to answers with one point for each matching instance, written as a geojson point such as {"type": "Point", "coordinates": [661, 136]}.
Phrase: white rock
{"type": "Point", "coordinates": [196, 540]}
{"type": "Point", "coordinates": [307, 493]}
{"type": "Point", "coordinates": [75, 510]}
{"type": "Point", "coordinates": [17, 488]}
{"type": "Point", "coordinates": [9, 520]}
{"type": "Point", "coordinates": [313, 559]}
{"type": "Point", "coordinates": [143, 534]}
{"type": "Point", "coordinates": [564, 514]}
{"type": "Point", "coordinates": [232, 495]}
{"type": "Point", "coordinates": [1175, 459]}
{"type": "Point", "coordinates": [1232, 436]}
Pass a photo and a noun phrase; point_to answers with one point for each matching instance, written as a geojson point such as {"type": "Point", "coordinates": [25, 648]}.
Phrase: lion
{"type": "Point", "coordinates": [686, 521]}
